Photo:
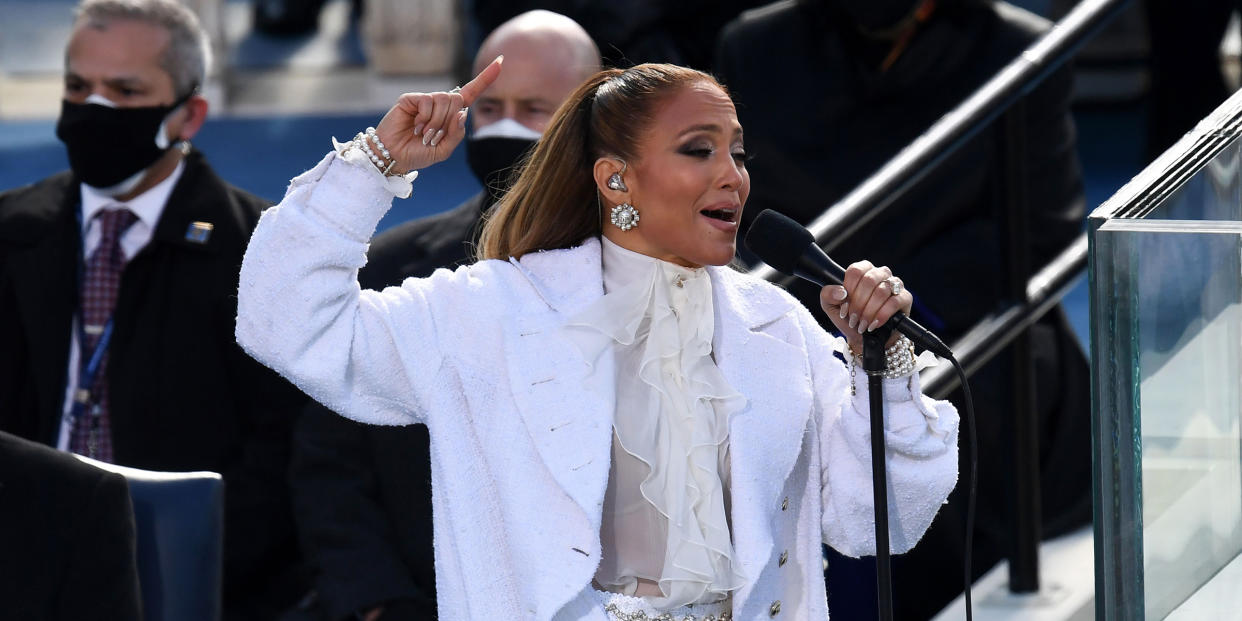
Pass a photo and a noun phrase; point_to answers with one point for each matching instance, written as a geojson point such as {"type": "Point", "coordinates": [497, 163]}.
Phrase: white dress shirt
{"type": "Point", "coordinates": [148, 206]}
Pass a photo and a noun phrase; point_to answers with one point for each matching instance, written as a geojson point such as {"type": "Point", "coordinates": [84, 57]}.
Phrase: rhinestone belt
{"type": "Point", "coordinates": [616, 613]}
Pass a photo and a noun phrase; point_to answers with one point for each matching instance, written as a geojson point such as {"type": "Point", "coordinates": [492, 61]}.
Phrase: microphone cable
{"type": "Point", "coordinates": [972, 441]}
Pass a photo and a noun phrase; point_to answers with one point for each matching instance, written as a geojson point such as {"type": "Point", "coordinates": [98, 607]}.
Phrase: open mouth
{"type": "Point", "coordinates": [724, 215]}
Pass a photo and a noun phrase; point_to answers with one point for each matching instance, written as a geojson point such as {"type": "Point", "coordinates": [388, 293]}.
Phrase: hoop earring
{"type": "Point", "coordinates": [624, 216]}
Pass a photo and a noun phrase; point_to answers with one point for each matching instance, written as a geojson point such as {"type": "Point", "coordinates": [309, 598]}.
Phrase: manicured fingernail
{"type": "Point", "coordinates": [875, 324]}
{"type": "Point", "coordinates": [418, 129]}
{"type": "Point", "coordinates": [845, 308]}
{"type": "Point", "coordinates": [436, 140]}
{"type": "Point", "coordinates": [428, 134]}
{"type": "Point", "coordinates": [839, 294]}
{"type": "Point", "coordinates": [853, 320]}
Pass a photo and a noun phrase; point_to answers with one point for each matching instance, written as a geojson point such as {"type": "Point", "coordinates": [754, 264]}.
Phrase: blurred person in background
{"type": "Point", "coordinates": [117, 293]}
{"type": "Point", "coordinates": [363, 493]}
{"type": "Point", "coordinates": [1187, 80]}
{"type": "Point", "coordinates": [67, 532]}
{"type": "Point", "coordinates": [292, 17]}
{"type": "Point", "coordinates": [871, 76]}
{"type": "Point", "coordinates": [634, 31]}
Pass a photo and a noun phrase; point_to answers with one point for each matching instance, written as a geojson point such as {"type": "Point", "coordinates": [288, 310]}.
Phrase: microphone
{"type": "Point", "coordinates": [791, 249]}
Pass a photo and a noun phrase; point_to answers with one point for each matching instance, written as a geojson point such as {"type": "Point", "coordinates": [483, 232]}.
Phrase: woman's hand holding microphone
{"type": "Point", "coordinates": [868, 298]}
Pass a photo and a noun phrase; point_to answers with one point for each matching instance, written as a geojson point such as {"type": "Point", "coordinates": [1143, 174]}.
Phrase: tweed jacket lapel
{"type": "Point", "coordinates": [766, 436]}
{"type": "Point", "coordinates": [544, 366]}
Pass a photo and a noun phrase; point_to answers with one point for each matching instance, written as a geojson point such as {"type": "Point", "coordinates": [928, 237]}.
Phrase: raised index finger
{"type": "Point", "coordinates": [472, 89]}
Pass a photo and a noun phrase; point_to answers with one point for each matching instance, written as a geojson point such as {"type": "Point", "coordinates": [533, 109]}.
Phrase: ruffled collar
{"type": "Point", "coordinates": [665, 511]}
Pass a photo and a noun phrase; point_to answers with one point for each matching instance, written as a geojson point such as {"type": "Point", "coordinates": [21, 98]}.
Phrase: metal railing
{"type": "Point", "coordinates": [1031, 298]}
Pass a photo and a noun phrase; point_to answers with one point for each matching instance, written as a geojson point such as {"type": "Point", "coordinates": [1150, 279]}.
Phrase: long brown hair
{"type": "Point", "coordinates": [553, 202]}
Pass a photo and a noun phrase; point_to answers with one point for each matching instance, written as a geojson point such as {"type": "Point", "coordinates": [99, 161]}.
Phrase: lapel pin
{"type": "Point", "coordinates": [199, 232]}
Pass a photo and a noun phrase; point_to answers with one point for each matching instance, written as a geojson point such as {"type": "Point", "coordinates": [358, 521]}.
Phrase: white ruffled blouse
{"type": "Point", "coordinates": [665, 514]}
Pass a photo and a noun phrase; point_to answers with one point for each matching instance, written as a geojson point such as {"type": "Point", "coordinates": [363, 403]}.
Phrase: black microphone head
{"type": "Point", "coordinates": [778, 240]}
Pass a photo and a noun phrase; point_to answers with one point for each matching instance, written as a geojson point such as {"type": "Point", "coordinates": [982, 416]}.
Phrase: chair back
{"type": "Point", "coordinates": [179, 520]}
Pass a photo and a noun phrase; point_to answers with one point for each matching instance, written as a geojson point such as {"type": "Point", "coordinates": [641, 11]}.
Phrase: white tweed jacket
{"type": "Point", "coordinates": [520, 439]}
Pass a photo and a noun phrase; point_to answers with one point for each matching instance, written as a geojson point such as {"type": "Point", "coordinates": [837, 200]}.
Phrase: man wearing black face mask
{"type": "Point", "coordinates": [362, 493]}
{"type": "Point", "coordinates": [117, 293]}
{"type": "Point", "coordinates": [872, 76]}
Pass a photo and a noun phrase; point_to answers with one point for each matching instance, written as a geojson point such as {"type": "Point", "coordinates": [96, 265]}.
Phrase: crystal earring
{"type": "Point", "coordinates": [624, 216]}
{"type": "Point", "coordinates": [615, 183]}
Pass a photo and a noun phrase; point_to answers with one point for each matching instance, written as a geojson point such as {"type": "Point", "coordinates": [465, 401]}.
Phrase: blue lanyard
{"type": "Point", "coordinates": [83, 397]}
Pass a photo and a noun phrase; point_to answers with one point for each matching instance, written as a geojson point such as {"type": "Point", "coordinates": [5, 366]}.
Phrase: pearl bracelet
{"type": "Point", "coordinates": [898, 361]}
{"type": "Point", "coordinates": [382, 160]}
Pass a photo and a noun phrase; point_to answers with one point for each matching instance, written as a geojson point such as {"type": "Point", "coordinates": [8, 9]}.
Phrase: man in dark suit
{"type": "Point", "coordinates": [871, 76]}
{"type": "Point", "coordinates": [117, 293]}
{"type": "Point", "coordinates": [67, 536]}
{"type": "Point", "coordinates": [362, 493]}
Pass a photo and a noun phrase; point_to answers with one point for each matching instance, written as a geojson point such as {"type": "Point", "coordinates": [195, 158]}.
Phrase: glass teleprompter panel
{"type": "Point", "coordinates": [1169, 298]}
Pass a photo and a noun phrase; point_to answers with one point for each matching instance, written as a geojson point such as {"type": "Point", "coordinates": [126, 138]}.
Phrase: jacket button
{"type": "Point", "coordinates": [785, 503]}
{"type": "Point", "coordinates": [775, 609]}
{"type": "Point", "coordinates": [784, 559]}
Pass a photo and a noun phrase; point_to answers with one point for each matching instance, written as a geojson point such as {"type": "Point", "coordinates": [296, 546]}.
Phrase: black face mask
{"type": "Point", "coordinates": [109, 145]}
{"type": "Point", "coordinates": [493, 159]}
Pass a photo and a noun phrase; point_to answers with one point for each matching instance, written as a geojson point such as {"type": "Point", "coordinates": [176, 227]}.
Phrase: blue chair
{"type": "Point", "coordinates": [179, 519]}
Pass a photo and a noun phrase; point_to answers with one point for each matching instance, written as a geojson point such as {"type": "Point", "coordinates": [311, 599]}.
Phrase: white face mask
{"type": "Point", "coordinates": [98, 99]}
{"type": "Point", "coordinates": [506, 128]}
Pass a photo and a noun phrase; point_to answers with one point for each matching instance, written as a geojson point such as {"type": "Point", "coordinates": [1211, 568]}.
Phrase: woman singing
{"type": "Point", "coordinates": [620, 426]}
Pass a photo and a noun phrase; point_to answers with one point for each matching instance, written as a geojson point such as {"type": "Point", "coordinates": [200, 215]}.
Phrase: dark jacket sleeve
{"type": "Point", "coordinates": [101, 578]}
{"type": "Point", "coordinates": [260, 548]}
{"type": "Point", "coordinates": [345, 529]}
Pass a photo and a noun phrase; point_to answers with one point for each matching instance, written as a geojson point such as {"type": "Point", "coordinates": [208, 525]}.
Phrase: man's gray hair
{"type": "Point", "coordinates": [188, 55]}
